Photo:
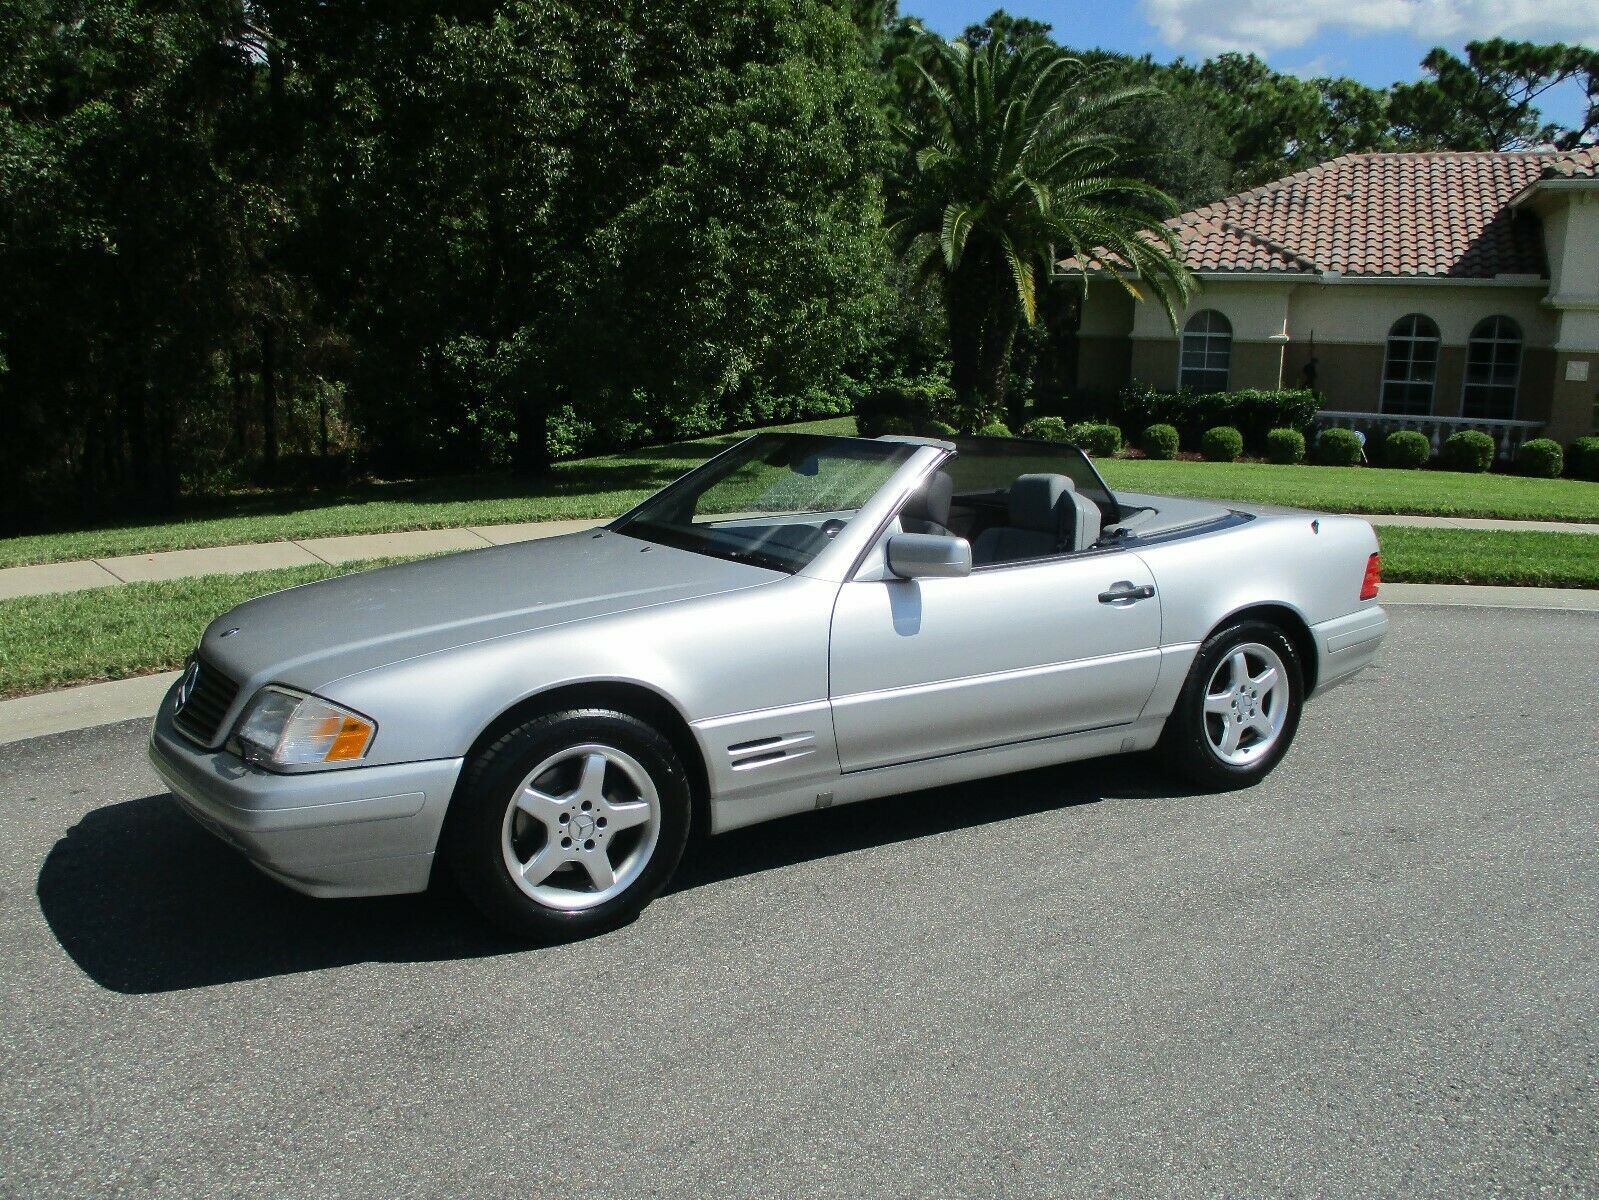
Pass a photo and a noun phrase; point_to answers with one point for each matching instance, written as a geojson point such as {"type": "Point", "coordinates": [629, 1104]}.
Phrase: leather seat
{"type": "Point", "coordinates": [927, 510]}
{"type": "Point", "coordinates": [1046, 515]}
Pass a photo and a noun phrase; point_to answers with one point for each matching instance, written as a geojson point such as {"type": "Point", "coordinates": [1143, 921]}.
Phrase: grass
{"type": "Point", "coordinates": [602, 487]}
{"type": "Point", "coordinates": [132, 629]}
{"type": "Point", "coordinates": [590, 487]}
{"type": "Point", "coordinates": [1563, 560]}
{"type": "Point", "coordinates": [138, 628]}
{"type": "Point", "coordinates": [1374, 490]}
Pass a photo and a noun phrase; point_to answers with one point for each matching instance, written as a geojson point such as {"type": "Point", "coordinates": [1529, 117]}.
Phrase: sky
{"type": "Point", "coordinates": [1377, 42]}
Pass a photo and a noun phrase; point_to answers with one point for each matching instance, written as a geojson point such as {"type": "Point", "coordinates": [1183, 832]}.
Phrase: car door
{"type": "Point", "coordinates": [1009, 653]}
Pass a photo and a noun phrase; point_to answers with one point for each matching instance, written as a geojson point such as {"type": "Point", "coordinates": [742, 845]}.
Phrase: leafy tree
{"type": "Point", "coordinates": [1488, 100]}
{"type": "Point", "coordinates": [1011, 173]}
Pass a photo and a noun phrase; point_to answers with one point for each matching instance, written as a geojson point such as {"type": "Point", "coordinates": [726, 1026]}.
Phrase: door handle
{"type": "Point", "coordinates": [1123, 592]}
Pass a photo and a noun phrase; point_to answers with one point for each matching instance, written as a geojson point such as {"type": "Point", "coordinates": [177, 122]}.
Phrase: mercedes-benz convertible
{"type": "Point", "coordinates": [800, 622]}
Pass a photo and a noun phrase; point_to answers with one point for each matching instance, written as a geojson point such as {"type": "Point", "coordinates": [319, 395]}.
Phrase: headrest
{"type": "Point", "coordinates": [931, 501]}
{"type": "Point", "coordinates": [1035, 502]}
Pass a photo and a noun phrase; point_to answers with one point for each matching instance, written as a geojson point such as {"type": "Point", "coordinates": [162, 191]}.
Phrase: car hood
{"type": "Point", "coordinates": [310, 635]}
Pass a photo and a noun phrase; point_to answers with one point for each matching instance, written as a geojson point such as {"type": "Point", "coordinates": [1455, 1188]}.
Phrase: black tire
{"type": "Point", "coordinates": [474, 846]}
{"type": "Point", "coordinates": [1186, 743]}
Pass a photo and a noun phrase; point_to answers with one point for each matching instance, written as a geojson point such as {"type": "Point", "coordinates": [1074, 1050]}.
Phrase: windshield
{"type": "Point", "coordinates": [774, 500]}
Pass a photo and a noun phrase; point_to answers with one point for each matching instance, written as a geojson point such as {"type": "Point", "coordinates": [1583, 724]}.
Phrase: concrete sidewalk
{"type": "Point", "coordinates": [262, 556]}
{"type": "Point", "coordinates": [124, 699]}
{"type": "Point", "coordinates": [265, 556]}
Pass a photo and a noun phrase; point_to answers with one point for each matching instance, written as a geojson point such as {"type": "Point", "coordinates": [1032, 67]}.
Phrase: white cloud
{"type": "Point", "coordinates": [1212, 26]}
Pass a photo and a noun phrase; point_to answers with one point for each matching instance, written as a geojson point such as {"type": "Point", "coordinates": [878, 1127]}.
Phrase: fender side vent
{"type": "Point", "coordinates": [762, 752]}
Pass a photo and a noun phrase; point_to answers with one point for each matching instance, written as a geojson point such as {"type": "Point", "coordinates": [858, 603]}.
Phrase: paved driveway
{"type": "Point", "coordinates": [1376, 973]}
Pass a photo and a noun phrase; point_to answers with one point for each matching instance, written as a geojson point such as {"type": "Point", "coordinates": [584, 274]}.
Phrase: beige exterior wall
{"type": "Point", "coordinates": [1571, 412]}
{"type": "Point", "coordinates": [1104, 364]}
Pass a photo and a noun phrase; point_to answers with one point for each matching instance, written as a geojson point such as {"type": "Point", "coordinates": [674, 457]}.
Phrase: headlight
{"type": "Point", "coordinates": [290, 729]}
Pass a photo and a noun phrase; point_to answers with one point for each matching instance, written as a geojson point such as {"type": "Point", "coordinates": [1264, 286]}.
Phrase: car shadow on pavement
{"type": "Point", "coordinates": [143, 900]}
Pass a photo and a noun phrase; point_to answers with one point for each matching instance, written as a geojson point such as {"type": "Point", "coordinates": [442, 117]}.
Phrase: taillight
{"type": "Point", "coordinates": [1373, 580]}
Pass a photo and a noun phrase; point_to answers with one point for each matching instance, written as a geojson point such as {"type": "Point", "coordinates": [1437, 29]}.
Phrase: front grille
{"type": "Point", "coordinates": [210, 694]}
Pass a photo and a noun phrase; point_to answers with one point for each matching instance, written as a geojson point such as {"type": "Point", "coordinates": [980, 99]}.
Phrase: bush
{"type": "Point", "coordinates": [1469, 450]}
{"type": "Point", "coordinates": [1339, 448]}
{"type": "Point", "coordinates": [1159, 441]}
{"type": "Point", "coordinates": [912, 402]}
{"type": "Point", "coordinates": [1541, 457]}
{"type": "Point", "coordinates": [1254, 413]}
{"type": "Point", "coordinates": [1221, 444]}
{"type": "Point", "coordinates": [941, 429]}
{"type": "Point", "coordinates": [995, 429]}
{"type": "Point", "coordinates": [897, 426]}
{"type": "Point", "coordinates": [1285, 446]}
{"type": "Point", "coordinates": [1046, 429]}
{"type": "Point", "coordinates": [1582, 458]}
{"type": "Point", "coordinates": [1099, 440]}
{"type": "Point", "coordinates": [1407, 449]}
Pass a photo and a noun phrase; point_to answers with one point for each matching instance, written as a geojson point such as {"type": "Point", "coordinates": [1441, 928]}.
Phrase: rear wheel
{"type": "Point", "coordinates": [1239, 708]}
{"type": "Point", "coordinates": [569, 824]}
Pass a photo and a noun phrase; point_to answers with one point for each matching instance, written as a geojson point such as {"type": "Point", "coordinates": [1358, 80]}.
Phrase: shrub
{"type": "Point", "coordinates": [1221, 444]}
{"type": "Point", "coordinates": [1159, 441]}
{"type": "Point", "coordinates": [1541, 457]}
{"type": "Point", "coordinates": [1254, 413]}
{"type": "Point", "coordinates": [1285, 446]}
{"type": "Point", "coordinates": [1406, 448]}
{"type": "Point", "coordinates": [914, 402]}
{"type": "Point", "coordinates": [1339, 448]}
{"type": "Point", "coordinates": [1468, 450]}
{"type": "Point", "coordinates": [941, 429]}
{"type": "Point", "coordinates": [1099, 440]}
{"type": "Point", "coordinates": [898, 426]}
{"type": "Point", "coordinates": [995, 429]}
{"type": "Point", "coordinates": [1582, 458]}
{"type": "Point", "coordinates": [1046, 429]}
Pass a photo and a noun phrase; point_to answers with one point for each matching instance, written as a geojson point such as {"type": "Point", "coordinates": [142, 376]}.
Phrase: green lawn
{"type": "Point", "coordinates": [137, 628]}
{"type": "Point", "coordinates": [1468, 556]}
{"type": "Point", "coordinates": [1363, 489]}
{"type": "Point", "coordinates": [602, 487]}
{"type": "Point", "coordinates": [591, 487]}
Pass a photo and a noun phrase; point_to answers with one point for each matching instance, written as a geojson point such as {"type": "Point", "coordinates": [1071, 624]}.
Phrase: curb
{"type": "Point", "coordinates": [94, 704]}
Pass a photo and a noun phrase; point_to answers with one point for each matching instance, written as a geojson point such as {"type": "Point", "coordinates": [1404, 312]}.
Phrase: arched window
{"type": "Point", "coordinates": [1207, 352]}
{"type": "Point", "coordinates": [1493, 367]}
{"type": "Point", "coordinates": [1411, 366]}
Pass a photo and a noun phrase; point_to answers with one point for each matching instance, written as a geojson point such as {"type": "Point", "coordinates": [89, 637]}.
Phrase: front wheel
{"type": "Point", "coordinates": [1239, 708]}
{"type": "Point", "coordinates": [569, 824]}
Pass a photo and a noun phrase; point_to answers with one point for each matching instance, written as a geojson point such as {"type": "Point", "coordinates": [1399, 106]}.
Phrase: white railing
{"type": "Point", "coordinates": [1508, 435]}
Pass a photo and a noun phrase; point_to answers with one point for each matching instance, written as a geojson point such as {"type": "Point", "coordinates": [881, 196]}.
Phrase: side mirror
{"type": "Point", "coordinates": [929, 556]}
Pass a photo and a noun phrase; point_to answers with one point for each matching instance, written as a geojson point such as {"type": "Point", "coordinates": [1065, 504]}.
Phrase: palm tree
{"type": "Point", "coordinates": [1006, 174]}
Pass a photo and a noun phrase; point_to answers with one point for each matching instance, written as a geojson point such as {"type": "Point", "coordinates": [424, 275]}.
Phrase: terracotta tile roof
{"type": "Point", "coordinates": [1437, 214]}
{"type": "Point", "coordinates": [1574, 164]}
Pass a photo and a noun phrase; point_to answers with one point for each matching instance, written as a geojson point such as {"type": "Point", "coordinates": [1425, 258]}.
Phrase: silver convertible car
{"type": "Point", "coordinates": [800, 622]}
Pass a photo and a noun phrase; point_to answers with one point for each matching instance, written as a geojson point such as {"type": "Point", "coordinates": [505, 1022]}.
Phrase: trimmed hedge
{"type": "Point", "coordinates": [995, 429]}
{"type": "Point", "coordinates": [1582, 458]}
{"type": "Point", "coordinates": [1541, 457]}
{"type": "Point", "coordinates": [1254, 413]}
{"type": "Point", "coordinates": [1469, 450]}
{"type": "Point", "coordinates": [1339, 448]}
{"type": "Point", "coordinates": [1221, 444]}
{"type": "Point", "coordinates": [1096, 439]}
{"type": "Point", "coordinates": [1285, 447]}
{"type": "Point", "coordinates": [941, 429]}
{"type": "Point", "coordinates": [1406, 448]}
{"type": "Point", "coordinates": [1159, 441]}
{"type": "Point", "coordinates": [911, 403]}
{"type": "Point", "coordinates": [1046, 429]}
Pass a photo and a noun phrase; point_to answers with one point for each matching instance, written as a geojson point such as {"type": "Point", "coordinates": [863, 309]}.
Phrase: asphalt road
{"type": "Point", "coordinates": [1374, 974]}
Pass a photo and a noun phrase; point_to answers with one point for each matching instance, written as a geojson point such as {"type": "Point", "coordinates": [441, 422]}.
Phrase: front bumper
{"type": "Point", "coordinates": [359, 831]}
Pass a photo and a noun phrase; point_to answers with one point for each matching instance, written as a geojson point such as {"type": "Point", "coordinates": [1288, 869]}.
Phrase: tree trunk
{"type": "Point", "coordinates": [998, 340]}
{"type": "Point", "coordinates": [966, 301]}
{"type": "Point", "coordinates": [269, 398]}
{"type": "Point", "coordinates": [530, 458]}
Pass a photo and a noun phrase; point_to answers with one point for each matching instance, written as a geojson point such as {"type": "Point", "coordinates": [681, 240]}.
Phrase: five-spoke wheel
{"type": "Point", "coordinates": [570, 823]}
{"type": "Point", "coordinates": [1239, 707]}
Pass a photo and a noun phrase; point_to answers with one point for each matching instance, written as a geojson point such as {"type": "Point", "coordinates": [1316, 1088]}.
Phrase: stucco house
{"type": "Point", "coordinates": [1433, 291]}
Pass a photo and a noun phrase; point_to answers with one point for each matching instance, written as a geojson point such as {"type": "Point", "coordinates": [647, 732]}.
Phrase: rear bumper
{"type": "Point", "coordinates": [363, 831]}
{"type": "Point", "coordinates": [1346, 644]}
